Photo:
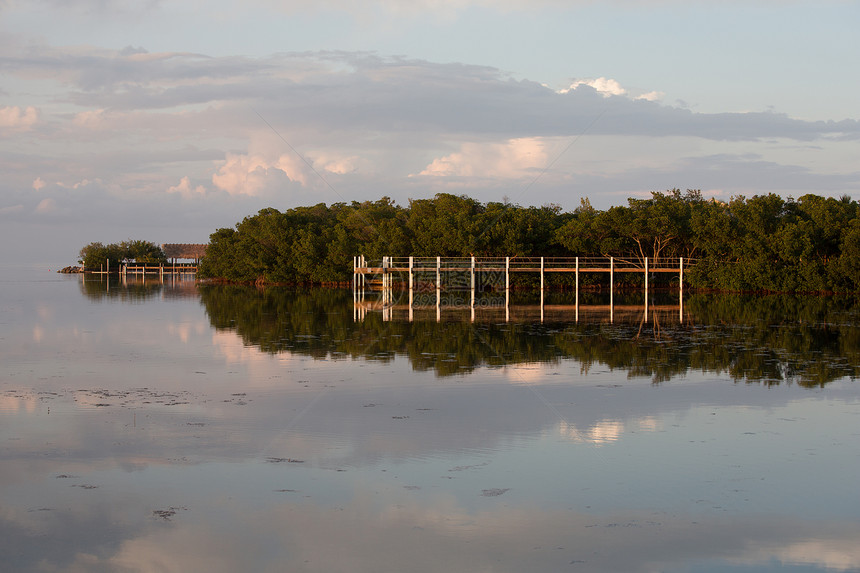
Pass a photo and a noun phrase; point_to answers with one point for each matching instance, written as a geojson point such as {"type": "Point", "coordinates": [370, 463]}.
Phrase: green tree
{"type": "Point", "coordinates": [144, 252]}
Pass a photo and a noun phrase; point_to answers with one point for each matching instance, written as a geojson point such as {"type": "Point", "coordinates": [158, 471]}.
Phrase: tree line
{"type": "Point", "coordinates": [96, 254]}
{"type": "Point", "coordinates": [762, 243]}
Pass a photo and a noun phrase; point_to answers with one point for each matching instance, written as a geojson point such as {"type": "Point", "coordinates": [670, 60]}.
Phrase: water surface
{"type": "Point", "coordinates": [165, 427]}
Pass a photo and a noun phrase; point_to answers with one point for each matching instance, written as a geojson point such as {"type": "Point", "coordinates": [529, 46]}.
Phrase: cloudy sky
{"type": "Point", "coordinates": [164, 120]}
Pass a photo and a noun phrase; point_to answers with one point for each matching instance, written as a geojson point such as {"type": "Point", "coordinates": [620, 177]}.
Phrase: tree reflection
{"type": "Point", "coordinates": [138, 288]}
{"type": "Point", "coordinates": [809, 341]}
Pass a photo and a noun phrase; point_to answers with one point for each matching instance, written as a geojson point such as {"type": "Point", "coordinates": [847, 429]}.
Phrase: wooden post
{"type": "Point", "coordinates": [681, 294]}
{"type": "Point", "coordinates": [473, 279]}
{"type": "Point", "coordinates": [438, 272]}
{"type": "Point", "coordinates": [541, 305]}
{"type": "Point", "coordinates": [541, 285]}
{"type": "Point", "coordinates": [646, 289]}
{"type": "Point", "coordinates": [577, 289]}
{"type": "Point", "coordinates": [411, 283]}
{"type": "Point", "coordinates": [611, 289]}
{"type": "Point", "coordinates": [507, 273]}
{"type": "Point", "coordinates": [646, 277]}
{"type": "Point", "coordinates": [472, 290]}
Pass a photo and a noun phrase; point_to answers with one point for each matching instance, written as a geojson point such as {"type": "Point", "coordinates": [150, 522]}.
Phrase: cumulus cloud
{"type": "Point", "coordinates": [604, 86]}
{"type": "Point", "coordinates": [335, 163]}
{"type": "Point", "coordinates": [185, 189]}
{"type": "Point", "coordinates": [608, 87]}
{"type": "Point", "coordinates": [14, 119]}
{"type": "Point", "coordinates": [513, 158]}
{"type": "Point", "coordinates": [651, 96]}
{"type": "Point", "coordinates": [46, 205]}
{"type": "Point", "coordinates": [75, 185]}
{"type": "Point", "coordinates": [242, 174]}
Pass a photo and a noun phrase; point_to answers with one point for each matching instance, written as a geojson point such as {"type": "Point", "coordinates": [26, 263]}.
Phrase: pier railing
{"type": "Point", "coordinates": [522, 264]}
{"type": "Point", "coordinates": [390, 269]}
{"type": "Point", "coordinates": [144, 269]}
{"type": "Point", "coordinates": [461, 274]}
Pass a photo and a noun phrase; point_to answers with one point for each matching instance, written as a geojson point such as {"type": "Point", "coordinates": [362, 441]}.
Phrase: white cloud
{"type": "Point", "coordinates": [185, 189]}
{"type": "Point", "coordinates": [651, 96]}
{"type": "Point", "coordinates": [511, 159]}
{"type": "Point", "coordinates": [46, 205]}
{"type": "Point", "coordinates": [835, 554]}
{"type": "Point", "coordinates": [91, 119]}
{"type": "Point", "coordinates": [604, 86]}
{"type": "Point", "coordinates": [337, 164]}
{"type": "Point", "coordinates": [76, 185]}
{"type": "Point", "coordinates": [38, 183]}
{"type": "Point", "coordinates": [609, 87]}
{"type": "Point", "coordinates": [254, 174]}
{"type": "Point", "coordinates": [14, 119]}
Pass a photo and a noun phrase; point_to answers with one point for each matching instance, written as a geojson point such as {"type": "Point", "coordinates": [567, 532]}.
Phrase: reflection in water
{"type": "Point", "coordinates": [805, 340]}
{"type": "Point", "coordinates": [266, 430]}
{"type": "Point", "coordinates": [139, 288]}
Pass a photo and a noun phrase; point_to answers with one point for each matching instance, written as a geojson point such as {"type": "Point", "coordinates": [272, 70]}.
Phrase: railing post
{"type": "Point", "coordinates": [410, 273]}
{"type": "Point", "coordinates": [438, 272]}
{"type": "Point", "coordinates": [507, 273]}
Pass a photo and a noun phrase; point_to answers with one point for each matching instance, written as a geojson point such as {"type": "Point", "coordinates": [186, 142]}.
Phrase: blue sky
{"type": "Point", "coordinates": [166, 120]}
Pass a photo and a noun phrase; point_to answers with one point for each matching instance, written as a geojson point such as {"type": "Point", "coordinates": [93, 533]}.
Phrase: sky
{"type": "Point", "coordinates": [166, 120]}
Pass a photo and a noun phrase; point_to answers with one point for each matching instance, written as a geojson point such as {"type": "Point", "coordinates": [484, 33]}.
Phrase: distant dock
{"type": "Point", "coordinates": [176, 269]}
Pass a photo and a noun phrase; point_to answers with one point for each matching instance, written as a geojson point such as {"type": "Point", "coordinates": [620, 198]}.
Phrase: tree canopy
{"type": "Point", "coordinates": [97, 254]}
{"type": "Point", "coordinates": [761, 243]}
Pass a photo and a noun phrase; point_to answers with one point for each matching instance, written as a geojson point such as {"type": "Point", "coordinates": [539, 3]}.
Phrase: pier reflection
{"type": "Point", "coordinates": [137, 287]}
{"type": "Point", "coordinates": [411, 305]}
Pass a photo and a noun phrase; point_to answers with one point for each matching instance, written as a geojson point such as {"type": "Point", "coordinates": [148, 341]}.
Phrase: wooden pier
{"type": "Point", "coordinates": [160, 270]}
{"type": "Point", "coordinates": [132, 269]}
{"type": "Point", "coordinates": [390, 269]}
{"type": "Point", "coordinates": [464, 273]}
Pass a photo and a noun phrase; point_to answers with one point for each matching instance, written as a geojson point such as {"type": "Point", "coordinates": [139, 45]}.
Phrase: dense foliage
{"type": "Point", "coordinates": [97, 254]}
{"type": "Point", "coordinates": [761, 243]}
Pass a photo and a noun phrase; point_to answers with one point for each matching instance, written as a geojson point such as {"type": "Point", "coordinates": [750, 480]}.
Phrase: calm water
{"type": "Point", "coordinates": [169, 428]}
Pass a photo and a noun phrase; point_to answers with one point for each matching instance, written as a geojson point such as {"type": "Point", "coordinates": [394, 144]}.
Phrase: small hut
{"type": "Point", "coordinates": [183, 251]}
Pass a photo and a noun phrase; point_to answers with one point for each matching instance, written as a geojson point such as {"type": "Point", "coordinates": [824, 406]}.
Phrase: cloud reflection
{"type": "Point", "coordinates": [437, 536]}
